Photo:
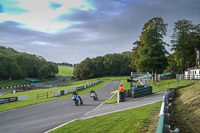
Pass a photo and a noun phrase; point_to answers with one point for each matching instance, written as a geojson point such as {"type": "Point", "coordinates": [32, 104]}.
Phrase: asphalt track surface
{"type": "Point", "coordinates": [42, 117]}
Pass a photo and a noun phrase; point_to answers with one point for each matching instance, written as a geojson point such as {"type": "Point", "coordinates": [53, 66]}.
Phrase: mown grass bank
{"type": "Point", "coordinates": [32, 95]}
{"type": "Point", "coordinates": [135, 120]}
{"type": "Point", "coordinates": [65, 70]}
{"type": "Point", "coordinates": [163, 85]}
{"type": "Point", "coordinates": [185, 110]}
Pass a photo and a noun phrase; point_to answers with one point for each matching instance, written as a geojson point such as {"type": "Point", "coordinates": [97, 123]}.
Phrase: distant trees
{"type": "Point", "coordinates": [108, 65]}
{"type": "Point", "coordinates": [66, 64]}
{"type": "Point", "coordinates": [17, 65]}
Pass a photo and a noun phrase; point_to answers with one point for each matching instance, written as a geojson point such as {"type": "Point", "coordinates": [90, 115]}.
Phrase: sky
{"type": "Point", "coordinates": [72, 30]}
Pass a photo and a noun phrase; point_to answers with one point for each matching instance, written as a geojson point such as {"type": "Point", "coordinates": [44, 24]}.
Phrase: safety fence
{"type": "Point", "coordinates": [16, 86]}
{"type": "Point", "coordinates": [13, 99]}
{"type": "Point", "coordinates": [163, 123]}
{"type": "Point", "coordinates": [48, 84]}
{"type": "Point", "coordinates": [64, 92]}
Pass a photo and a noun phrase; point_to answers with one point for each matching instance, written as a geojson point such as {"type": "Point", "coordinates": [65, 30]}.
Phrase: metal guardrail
{"type": "Point", "coordinates": [163, 123]}
{"type": "Point", "coordinates": [63, 92]}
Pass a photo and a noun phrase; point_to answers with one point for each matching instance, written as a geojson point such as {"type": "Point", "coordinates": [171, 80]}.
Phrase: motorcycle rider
{"type": "Point", "coordinates": [76, 96]}
{"type": "Point", "coordinates": [91, 91]}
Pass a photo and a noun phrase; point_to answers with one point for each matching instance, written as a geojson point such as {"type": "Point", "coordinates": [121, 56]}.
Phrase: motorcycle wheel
{"type": "Point", "coordinates": [81, 102]}
{"type": "Point", "coordinates": [76, 102]}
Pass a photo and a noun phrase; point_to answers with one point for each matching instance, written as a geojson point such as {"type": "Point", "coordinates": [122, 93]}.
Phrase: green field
{"type": "Point", "coordinates": [65, 70]}
{"type": "Point", "coordinates": [135, 120]}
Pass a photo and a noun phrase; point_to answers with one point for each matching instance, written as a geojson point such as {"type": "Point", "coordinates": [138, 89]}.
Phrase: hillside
{"type": "Point", "coordinates": [185, 110]}
{"type": "Point", "coordinates": [65, 70]}
{"type": "Point", "coordinates": [19, 65]}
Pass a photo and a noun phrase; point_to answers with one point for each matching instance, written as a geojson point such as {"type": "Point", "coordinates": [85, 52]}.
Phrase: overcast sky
{"type": "Point", "coordinates": [71, 30]}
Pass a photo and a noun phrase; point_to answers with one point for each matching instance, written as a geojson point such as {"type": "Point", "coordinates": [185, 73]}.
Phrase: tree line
{"type": "Point", "coordinates": [149, 53]}
{"type": "Point", "coordinates": [108, 65]}
{"type": "Point", "coordinates": [19, 65]}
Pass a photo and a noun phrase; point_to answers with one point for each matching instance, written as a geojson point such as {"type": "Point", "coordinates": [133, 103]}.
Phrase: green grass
{"type": "Point", "coordinates": [130, 121]}
{"type": "Point", "coordinates": [163, 85]}
{"type": "Point", "coordinates": [65, 70]}
{"type": "Point", "coordinates": [32, 95]}
{"type": "Point", "coordinates": [185, 109]}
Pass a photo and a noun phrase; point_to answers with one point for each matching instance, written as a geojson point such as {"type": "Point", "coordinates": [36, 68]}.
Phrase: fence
{"type": "Point", "coordinates": [42, 95]}
{"type": "Point", "coordinates": [163, 123]}
{"type": "Point", "coordinates": [16, 86]}
{"type": "Point", "coordinates": [63, 92]}
{"type": "Point", "coordinates": [187, 77]}
{"type": "Point", "coordinates": [48, 84]}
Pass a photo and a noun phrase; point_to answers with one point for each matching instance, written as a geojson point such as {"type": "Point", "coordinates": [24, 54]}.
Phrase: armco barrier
{"type": "Point", "coordinates": [163, 123]}
{"type": "Point", "coordinates": [62, 92]}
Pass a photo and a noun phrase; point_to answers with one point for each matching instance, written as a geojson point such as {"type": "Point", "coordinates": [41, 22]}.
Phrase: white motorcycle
{"type": "Point", "coordinates": [94, 96]}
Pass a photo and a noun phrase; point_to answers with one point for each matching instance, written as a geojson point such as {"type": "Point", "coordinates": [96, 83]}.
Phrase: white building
{"type": "Point", "coordinates": [192, 74]}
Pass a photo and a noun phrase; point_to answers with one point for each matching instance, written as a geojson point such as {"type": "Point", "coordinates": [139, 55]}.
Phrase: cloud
{"type": "Point", "coordinates": [89, 28]}
{"type": "Point", "coordinates": [55, 5]}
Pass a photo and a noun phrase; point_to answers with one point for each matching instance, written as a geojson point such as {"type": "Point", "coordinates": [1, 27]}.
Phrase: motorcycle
{"type": "Point", "coordinates": [77, 100]}
{"type": "Point", "coordinates": [94, 96]}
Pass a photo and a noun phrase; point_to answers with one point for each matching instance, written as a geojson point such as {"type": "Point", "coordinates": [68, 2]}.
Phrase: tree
{"type": "Point", "coordinates": [112, 63]}
{"type": "Point", "coordinates": [17, 65]}
{"type": "Point", "coordinates": [86, 67]}
{"type": "Point", "coordinates": [152, 52]}
{"type": "Point", "coordinates": [135, 56]}
{"type": "Point", "coordinates": [185, 39]}
{"type": "Point", "coordinates": [181, 40]}
{"type": "Point", "coordinates": [98, 69]}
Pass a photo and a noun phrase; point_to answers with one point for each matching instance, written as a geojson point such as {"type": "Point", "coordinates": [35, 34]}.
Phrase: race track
{"type": "Point", "coordinates": [42, 117]}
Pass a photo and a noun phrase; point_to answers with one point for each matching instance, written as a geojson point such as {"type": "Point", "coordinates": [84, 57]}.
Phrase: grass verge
{"type": "Point", "coordinates": [185, 110]}
{"type": "Point", "coordinates": [134, 120]}
{"type": "Point", "coordinates": [163, 85]}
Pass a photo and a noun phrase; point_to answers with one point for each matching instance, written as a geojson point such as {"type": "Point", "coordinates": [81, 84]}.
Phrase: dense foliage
{"type": "Point", "coordinates": [17, 65]}
{"type": "Point", "coordinates": [185, 39]}
{"type": "Point", "coordinates": [150, 52]}
{"type": "Point", "coordinates": [108, 65]}
{"type": "Point", "coordinates": [65, 64]}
